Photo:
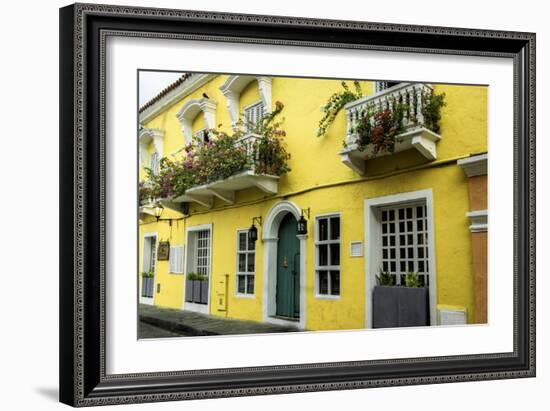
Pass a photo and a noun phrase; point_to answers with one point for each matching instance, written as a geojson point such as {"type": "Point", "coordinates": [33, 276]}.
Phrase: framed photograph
{"type": "Point", "coordinates": [262, 204]}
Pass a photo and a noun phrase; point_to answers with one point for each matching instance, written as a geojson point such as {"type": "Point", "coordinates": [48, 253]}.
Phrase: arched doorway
{"type": "Point", "coordinates": [284, 274]}
{"type": "Point", "coordinates": [287, 297]}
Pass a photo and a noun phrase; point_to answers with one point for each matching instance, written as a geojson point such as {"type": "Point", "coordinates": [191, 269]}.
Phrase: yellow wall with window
{"type": "Point", "coordinates": [320, 181]}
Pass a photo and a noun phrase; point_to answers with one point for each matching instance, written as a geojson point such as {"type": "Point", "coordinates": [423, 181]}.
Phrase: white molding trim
{"type": "Point", "coordinates": [474, 166]}
{"type": "Point", "coordinates": [190, 110]}
{"type": "Point", "coordinates": [478, 220]}
{"type": "Point", "coordinates": [236, 292]}
{"type": "Point", "coordinates": [372, 234]}
{"type": "Point", "coordinates": [200, 308]}
{"type": "Point", "coordinates": [147, 300]}
{"type": "Point", "coordinates": [183, 90]}
{"type": "Point", "coordinates": [146, 136]}
{"type": "Point", "coordinates": [233, 87]}
{"type": "Point", "coordinates": [316, 293]}
{"type": "Point", "coordinates": [270, 236]}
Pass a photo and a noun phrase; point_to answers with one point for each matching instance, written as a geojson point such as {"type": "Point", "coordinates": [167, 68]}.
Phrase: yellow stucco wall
{"type": "Point", "coordinates": [314, 162]}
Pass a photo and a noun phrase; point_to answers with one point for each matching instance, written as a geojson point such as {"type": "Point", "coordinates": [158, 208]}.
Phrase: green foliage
{"type": "Point", "coordinates": [145, 192]}
{"type": "Point", "coordinates": [147, 274]}
{"type": "Point", "coordinates": [384, 278]}
{"type": "Point", "coordinates": [197, 277]}
{"type": "Point", "coordinates": [380, 128]}
{"type": "Point", "coordinates": [412, 280]}
{"type": "Point", "coordinates": [335, 103]}
{"type": "Point", "coordinates": [222, 156]}
{"type": "Point", "coordinates": [431, 110]}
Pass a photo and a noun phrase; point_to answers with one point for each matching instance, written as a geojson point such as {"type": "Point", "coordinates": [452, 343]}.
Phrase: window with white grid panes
{"type": "Point", "coordinates": [246, 254]}
{"type": "Point", "coordinates": [202, 261]}
{"type": "Point", "coordinates": [253, 114]}
{"type": "Point", "coordinates": [327, 255]}
{"type": "Point", "coordinates": [404, 231]}
{"type": "Point", "coordinates": [383, 85]}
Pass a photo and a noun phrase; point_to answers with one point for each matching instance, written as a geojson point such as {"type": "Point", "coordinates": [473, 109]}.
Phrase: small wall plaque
{"type": "Point", "coordinates": [163, 253]}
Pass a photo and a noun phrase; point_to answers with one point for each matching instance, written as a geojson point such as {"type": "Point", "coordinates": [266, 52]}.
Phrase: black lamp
{"type": "Point", "coordinates": [302, 223]}
{"type": "Point", "coordinates": [253, 231]}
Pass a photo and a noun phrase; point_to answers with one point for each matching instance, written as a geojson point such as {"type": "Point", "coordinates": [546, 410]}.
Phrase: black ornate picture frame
{"type": "Point", "coordinates": [83, 30]}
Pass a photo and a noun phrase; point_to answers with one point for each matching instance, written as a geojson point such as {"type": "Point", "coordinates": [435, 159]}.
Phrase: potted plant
{"type": "Point", "coordinates": [189, 287]}
{"type": "Point", "coordinates": [147, 278]}
{"type": "Point", "coordinates": [196, 288]}
{"type": "Point", "coordinates": [400, 306]}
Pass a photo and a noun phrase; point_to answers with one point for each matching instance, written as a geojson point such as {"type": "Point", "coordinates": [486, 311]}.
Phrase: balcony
{"type": "Point", "coordinates": [225, 189]}
{"type": "Point", "coordinates": [416, 135]}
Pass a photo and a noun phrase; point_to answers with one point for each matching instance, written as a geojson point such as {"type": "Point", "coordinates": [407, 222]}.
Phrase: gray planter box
{"type": "Point", "coordinates": [400, 307]}
{"type": "Point", "coordinates": [189, 291]}
{"type": "Point", "coordinates": [197, 291]}
{"type": "Point", "coordinates": [204, 292]}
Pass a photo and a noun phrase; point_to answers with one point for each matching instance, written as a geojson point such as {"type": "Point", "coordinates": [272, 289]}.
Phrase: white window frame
{"type": "Point", "coordinates": [173, 253]}
{"type": "Point", "coordinates": [253, 108]}
{"type": "Point", "coordinates": [415, 247]}
{"type": "Point", "coordinates": [237, 272]}
{"type": "Point", "coordinates": [379, 86]}
{"type": "Point", "coordinates": [373, 236]}
{"type": "Point", "coordinates": [148, 300]}
{"type": "Point", "coordinates": [329, 268]}
{"type": "Point", "coordinates": [190, 265]}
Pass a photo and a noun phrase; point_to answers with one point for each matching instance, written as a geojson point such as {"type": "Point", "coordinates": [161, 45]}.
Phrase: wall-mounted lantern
{"type": "Point", "coordinates": [158, 211]}
{"type": "Point", "coordinates": [302, 222]}
{"type": "Point", "coordinates": [253, 231]}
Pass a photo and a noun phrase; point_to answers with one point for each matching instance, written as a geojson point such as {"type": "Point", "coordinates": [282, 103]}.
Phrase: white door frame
{"type": "Point", "coordinates": [270, 238]}
{"type": "Point", "coordinates": [147, 300]}
{"type": "Point", "coordinates": [372, 245]}
{"type": "Point", "coordinates": [199, 308]}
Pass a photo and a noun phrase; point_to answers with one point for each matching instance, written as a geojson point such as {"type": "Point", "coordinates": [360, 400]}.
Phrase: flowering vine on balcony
{"type": "Point", "coordinates": [380, 125]}
{"type": "Point", "coordinates": [222, 156]}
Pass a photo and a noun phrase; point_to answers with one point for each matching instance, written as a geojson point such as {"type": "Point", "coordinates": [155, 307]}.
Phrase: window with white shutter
{"type": "Point", "coordinates": [253, 115]}
{"type": "Point", "coordinates": [154, 162]}
{"type": "Point", "coordinates": [176, 259]}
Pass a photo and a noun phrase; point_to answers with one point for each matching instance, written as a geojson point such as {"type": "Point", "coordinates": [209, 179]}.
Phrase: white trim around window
{"type": "Point", "coordinates": [190, 241]}
{"type": "Point", "coordinates": [253, 114]}
{"type": "Point", "coordinates": [328, 244]}
{"type": "Point", "coordinates": [176, 260]}
{"type": "Point", "coordinates": [148, 300]}
{"type": "Point", "coordinates": [246, 272]}
{"type": "Point", "coordinates": [373, 235]}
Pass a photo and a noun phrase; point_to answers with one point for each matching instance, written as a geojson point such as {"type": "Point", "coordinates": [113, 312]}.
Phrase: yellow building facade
{"type": "Point", "coordinates": [421, 208]}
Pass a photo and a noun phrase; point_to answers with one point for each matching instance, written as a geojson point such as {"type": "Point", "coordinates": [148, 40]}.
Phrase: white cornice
{"type": "Point", "coordinates": [478, 220]}
{"type": "Point", "coordinates": [184, 89]}
{"type": "Point", "coordinates": [474, 166]}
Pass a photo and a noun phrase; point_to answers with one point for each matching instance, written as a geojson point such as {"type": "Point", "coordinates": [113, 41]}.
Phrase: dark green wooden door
{"type": "Point", "coordinates": [288, 269]}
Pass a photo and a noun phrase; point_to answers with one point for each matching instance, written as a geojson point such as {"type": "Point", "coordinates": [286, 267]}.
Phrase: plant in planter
{"type": "Point", "coordinates": [384, 278]}
{"type": "Point", "coordinates": [222, 156]}
{"type": "Point", "coordinates": [380, 128]}
{"type": "Point", "coordinates": [196, 288]}
{"type": "Point", "coordinates": [400, 306]}
{"type": "Point", "coordinates": [412, 280]}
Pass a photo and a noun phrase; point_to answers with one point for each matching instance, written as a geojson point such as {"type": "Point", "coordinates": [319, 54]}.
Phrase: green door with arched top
{"type": "Point", "coordinates": [288, 269]}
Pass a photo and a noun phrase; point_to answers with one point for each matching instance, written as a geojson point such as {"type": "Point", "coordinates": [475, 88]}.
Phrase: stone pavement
{"type": "Point", "coordinates": [191, 323]}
